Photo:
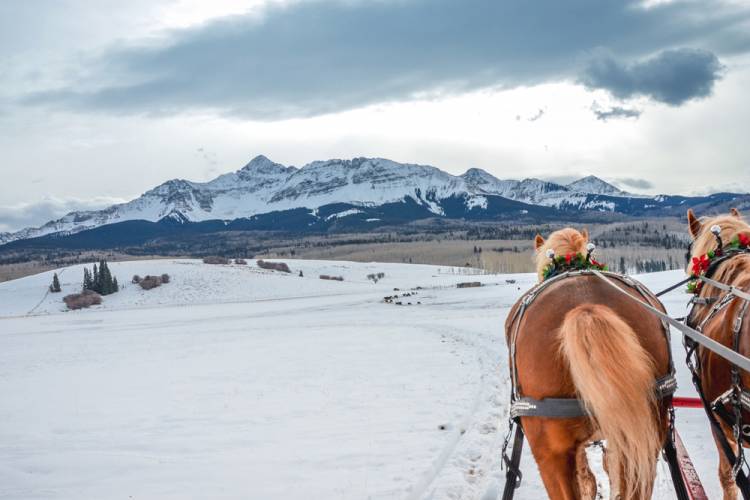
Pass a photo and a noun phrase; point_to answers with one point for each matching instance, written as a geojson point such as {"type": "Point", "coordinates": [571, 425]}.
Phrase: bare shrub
{"type": "Point", "coordinates": [165, 278]}
{"type": "Point", "coordinates": [215, 260]}
{"type": "Point", "coordinates": [240, 261]}
{"type": "Point", "coordinates": [149, 282]}
{"type": "Point", "coordinates": [375, 277]}
{"type": "Point", "coordinates": [334, 278]}
{"type": "Point", "coordinates": [276, 266]}
{"type": "Point", "coordinates": [469, 284]}
{"type": "Point", "coordinates": [136, 279]}
{"type": "Point", "coordinates": [86, 298]}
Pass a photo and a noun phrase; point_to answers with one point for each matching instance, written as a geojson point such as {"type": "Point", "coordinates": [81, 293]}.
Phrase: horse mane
{"type": "Point", "coordinates": [731, 227]}
{"type": "Point", "coordinates": [735, 271]}
{"type": "Point", "coordinates": [563, 241]}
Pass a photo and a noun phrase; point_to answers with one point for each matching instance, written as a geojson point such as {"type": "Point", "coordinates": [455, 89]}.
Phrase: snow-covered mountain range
{"type": "Point", "coordinates": [263, 186]}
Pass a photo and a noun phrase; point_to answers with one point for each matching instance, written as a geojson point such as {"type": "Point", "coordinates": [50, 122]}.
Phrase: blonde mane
{"type": "Point", "coordinates": [731, 227]}
{"type": "Point", "coordinates": [564, 241]}
{"type": "Point", "coordinates": [735, 272]}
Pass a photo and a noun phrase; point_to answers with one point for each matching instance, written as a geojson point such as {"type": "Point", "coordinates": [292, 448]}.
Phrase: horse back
{"type": "Point", "coordinates": [542, 371]}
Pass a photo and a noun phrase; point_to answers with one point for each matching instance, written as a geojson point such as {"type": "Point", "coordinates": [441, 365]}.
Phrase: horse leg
{"type": "Point", "coordinates": [586, 478]}
{"type": "Point", "coordinates": [726, 478]}
{"type": "Point", "coordinates": [554, 449]}
{"type": "Point", "coordinates": [614, 471]}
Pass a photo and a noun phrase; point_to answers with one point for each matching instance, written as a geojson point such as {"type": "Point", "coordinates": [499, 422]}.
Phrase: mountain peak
{"type": "Point", "coordinates": [261, 164]}
{"type": "Point", "coordinates": [257, 162]}
{"type": "Point", "coordinates": [477, 173]}
{"type": "Point", "coordinates": [594, 185]}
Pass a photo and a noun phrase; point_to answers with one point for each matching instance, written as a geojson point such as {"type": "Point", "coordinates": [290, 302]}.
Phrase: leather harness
{"type": "Point", "coordinates": [524, 406]}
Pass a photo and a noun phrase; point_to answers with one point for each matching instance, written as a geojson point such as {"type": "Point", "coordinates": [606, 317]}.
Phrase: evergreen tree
{"type": "Point", "coordinates": [55, 286]}
{"type": "Point", "coordinates": [111, 280]}
{"type": "Point", "coordinates": [95, 281]}
{"type": "Point", "coordinates": [87, 281]}
{"type": "Point", "coordinates": [115, 286]}
{"type": "Point", "coordinates": [103, 278]}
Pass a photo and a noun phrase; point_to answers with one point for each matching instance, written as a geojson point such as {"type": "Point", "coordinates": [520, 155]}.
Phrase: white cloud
{"type": "Point", "coordinates": [19, 216]}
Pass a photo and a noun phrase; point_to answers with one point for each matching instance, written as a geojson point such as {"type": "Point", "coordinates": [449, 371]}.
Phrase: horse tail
{"type": "Point", "coordinates": [614, 377]}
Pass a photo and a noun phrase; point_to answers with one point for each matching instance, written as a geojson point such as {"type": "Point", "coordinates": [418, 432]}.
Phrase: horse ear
{"type": "Point", "coordinates": [585, 234]}
{"type": "Point", "coordinates": [538, 241]}
{"type": "Point", "coordinates": [735, 213]}
{"type": "Point", "coordinates": [693, 223]}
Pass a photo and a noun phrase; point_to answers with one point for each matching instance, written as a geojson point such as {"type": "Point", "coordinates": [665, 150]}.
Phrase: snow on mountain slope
{"type": "Point", "coordinates": [594, 185]}
{"type": "Point", "coordinates": [235, 382]}
{"type": "Point", "coordinates": [481, 181]}
{"type": "Point", "coordinates": [263, 186]}
{"type": "Point", "coordinates": [367, 182]}
{"type": "Point", "coordinates": [575, 196]}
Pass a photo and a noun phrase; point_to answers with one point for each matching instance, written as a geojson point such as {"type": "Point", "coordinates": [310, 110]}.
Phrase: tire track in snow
{"type": "Point", "coordinates": [476, 416]}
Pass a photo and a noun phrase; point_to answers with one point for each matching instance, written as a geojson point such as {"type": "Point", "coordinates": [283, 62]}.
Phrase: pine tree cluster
{"type": "Point", "coordinates": [100, 280]}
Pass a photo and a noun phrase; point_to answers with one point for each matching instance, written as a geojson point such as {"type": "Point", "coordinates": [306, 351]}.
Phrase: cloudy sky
{"type": "Point", "coordinates": [100, 101]}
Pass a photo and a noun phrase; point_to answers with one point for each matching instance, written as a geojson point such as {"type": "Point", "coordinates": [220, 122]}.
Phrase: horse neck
{"type": "Point", "coordinates": [734, 272]}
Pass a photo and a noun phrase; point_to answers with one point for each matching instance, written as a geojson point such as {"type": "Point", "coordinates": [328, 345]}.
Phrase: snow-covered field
{"type": "Point", "coordinates": [237, 382]}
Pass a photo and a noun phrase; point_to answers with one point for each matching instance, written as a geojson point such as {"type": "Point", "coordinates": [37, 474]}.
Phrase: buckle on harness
{"type": "Point", "coordinates": [703, 301]}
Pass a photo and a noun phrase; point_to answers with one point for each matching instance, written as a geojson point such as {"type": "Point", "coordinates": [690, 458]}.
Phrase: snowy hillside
{"type": "Point", "coordinates": [263, 187]}
{"type": "Point", "coordinates": [237, 382]}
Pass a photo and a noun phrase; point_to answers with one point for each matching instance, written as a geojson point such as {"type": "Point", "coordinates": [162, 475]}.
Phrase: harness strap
{"type": "Point", "coordinates": [733, 290]}
{"type": "Point", "coordinates": [727, 396]}
{"type": "Point", "coordinates": [703, 301]}
{"type": "Point", "coordinates": [687, 483]}
{"type": "Point", "coordinates": [676, 285]}
{"type": "Point", "coordinates": [574, 408]}
{"type": "Point", "coordinates": [513, 475]}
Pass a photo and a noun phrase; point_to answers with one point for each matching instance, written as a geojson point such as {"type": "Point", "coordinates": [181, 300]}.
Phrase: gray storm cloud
{"type": "Point", "coordinates": [614, 112]}
{"type": "Point", "coordinates": [318, 57]}
{"type": "Point", "coordinates": [672, 76]}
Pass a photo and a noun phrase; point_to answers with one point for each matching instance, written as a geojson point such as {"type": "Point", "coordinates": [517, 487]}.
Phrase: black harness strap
{"type": "Point", "coordinates": [676, 285]}
{"type": "Point", "coordinates": [574, 408]}
{"type": "Point", "coordinates": [670, 456]}
{"type": "Point", "coordinates": [513, 475]}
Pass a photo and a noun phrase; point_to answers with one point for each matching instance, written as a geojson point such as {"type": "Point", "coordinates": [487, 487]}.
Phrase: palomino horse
{"type": "Point", "coordinates": [718, 323]}
{"type": "Point", "coordinates": [580, 338]}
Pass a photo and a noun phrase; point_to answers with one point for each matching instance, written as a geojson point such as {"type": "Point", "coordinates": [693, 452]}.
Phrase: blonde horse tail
{"type": "Point", "coordinates": [614, 377]}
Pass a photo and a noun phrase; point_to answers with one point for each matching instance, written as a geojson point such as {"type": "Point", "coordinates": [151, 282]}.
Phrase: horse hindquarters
{"type": "Point", "coordinates": [614, 377]}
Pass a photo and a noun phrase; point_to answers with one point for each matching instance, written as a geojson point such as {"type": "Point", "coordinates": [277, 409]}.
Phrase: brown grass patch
{"type": "Point", "coordinates": [86, 298]}
{"type": "Point", "coordinates": [275, 266]}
